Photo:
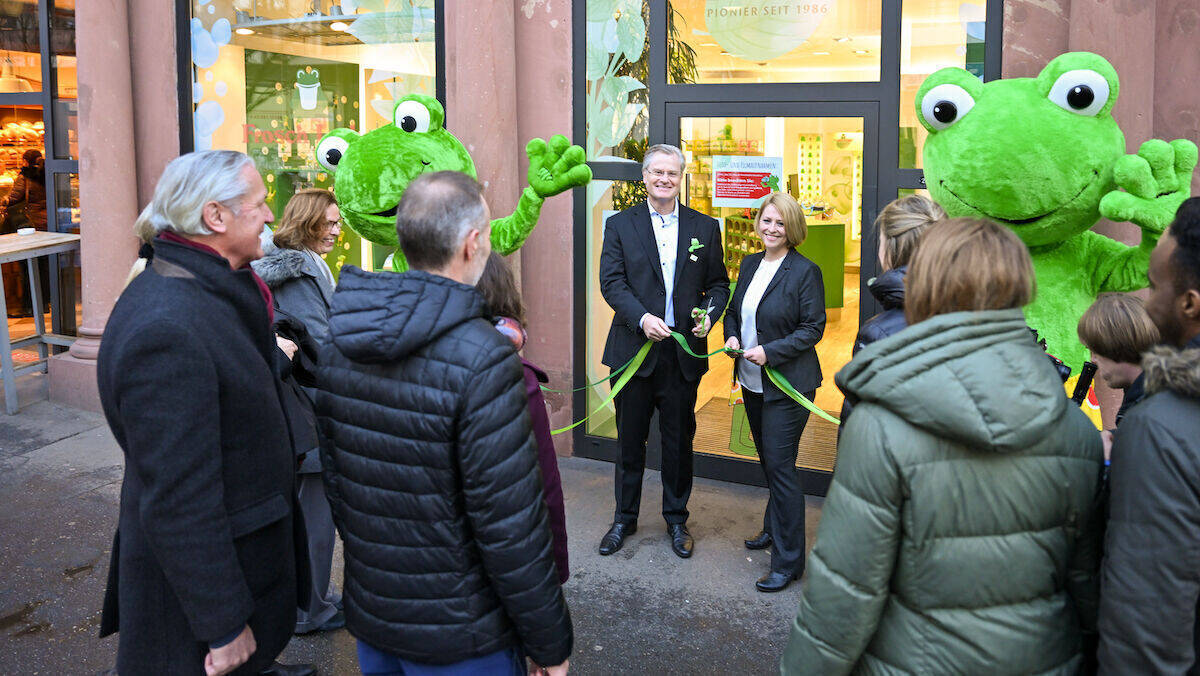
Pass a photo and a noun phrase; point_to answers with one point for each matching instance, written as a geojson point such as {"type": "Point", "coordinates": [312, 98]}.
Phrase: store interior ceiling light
{"type": "Point", "coordinates": [340, 26]}
{"type": "Point", "coordinates": [10, 82]}
{"type": "Point", "coordinates": [820, 53]}
{"type": "Point", "coordinates": [842, 39]}
{"type": "Point", "coordinates": [860, 51]}
{"type": "Point", "coordinates": [244, 31]}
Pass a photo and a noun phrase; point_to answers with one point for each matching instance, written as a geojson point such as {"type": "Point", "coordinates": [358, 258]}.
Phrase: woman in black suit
{"type": "Point", "coordinates": [777, 316]}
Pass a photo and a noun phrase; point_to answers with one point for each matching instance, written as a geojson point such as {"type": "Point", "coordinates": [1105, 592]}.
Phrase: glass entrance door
{"type": "Point", "coordinates": [824, 156]}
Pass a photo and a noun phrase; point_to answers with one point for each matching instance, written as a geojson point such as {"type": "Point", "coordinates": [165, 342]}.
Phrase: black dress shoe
{"type": "Point", "coordinates": [681, 540]}
{"type": "Point", "coordinates": [615, 537]}
{"type": "Point", "coordinates": [760, 541]}
{"type": "Point", "coordinates": [277, 669]}
{"type": "Point", "coordinates": [774, 581]}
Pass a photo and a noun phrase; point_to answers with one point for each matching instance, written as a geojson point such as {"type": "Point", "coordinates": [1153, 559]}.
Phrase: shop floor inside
{"type": "Point", "coordinates": [642, 610]}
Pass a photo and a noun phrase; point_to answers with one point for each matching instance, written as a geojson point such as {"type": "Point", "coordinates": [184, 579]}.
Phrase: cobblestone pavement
{"type": "Point", "coordinates": [641, 610]}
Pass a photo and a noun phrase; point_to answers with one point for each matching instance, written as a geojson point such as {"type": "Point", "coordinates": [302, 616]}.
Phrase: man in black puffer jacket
{"type": "Point", "coordinates": [430, 460]}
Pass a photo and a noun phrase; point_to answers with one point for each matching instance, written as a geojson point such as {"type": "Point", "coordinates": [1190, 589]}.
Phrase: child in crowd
{"type": "Point", "coordinates": [1117, 330]}
{"type": "Point", "coordinates": [503, 300]}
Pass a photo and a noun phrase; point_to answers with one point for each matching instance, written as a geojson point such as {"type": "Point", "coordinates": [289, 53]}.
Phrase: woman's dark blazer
{"type": "Point", "coordinates": [790, 319]}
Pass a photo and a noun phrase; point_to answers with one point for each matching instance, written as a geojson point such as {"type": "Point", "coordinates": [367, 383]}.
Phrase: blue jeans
{"type": "Point", "coordinates": [375, 662]}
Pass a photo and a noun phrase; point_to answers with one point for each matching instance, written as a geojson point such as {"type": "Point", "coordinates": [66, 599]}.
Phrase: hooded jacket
{"type": "Point", "coordinates": [432, 473]}
{"type": "Point", "coordinates": [1150, 582]}
{"type": "Point", "coordinates": [958, 533]}
{"type": "Point", "coordinates": [888, 289]}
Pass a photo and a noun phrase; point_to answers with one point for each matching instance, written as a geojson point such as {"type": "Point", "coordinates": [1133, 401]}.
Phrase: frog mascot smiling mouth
{"type": "Point", "coordinates": [1045, 157]}
{"type": "Point", "coordinates": [372, 170]}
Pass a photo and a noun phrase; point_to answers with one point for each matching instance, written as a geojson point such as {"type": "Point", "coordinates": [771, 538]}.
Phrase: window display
{"type": "Point", "coordinates": [271, 77]}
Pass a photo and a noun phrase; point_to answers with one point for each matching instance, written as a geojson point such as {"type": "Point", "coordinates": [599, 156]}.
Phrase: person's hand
{"type": "Point", "coordinates": [289, 348]}
{"type": "Point", "coordinates": [733, 344]}
{"type": "Point", "coordinates": [1106, 437]}
{"type": "Point", "coordinates": [701, 328]}
{"type": "Point", "coordinates": [655, 328]}
{"type": "Point", "coordinates": [557, 670]}
{"type": "Point", "coordinates": [756, 355]}
{"type": "Point", "coordinates": [228, 657]}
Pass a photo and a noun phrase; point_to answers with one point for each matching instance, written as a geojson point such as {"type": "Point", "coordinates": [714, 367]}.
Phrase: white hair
{"type": "Point", "coordinates": [662, 148]}
{"type": "Point", "coordinates": [188, 183]}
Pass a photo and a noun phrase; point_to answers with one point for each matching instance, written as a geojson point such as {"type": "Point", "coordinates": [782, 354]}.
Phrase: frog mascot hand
{"type": "Point", "coordinates": [371, 171]}
{"type": "Point", "coordinates": [1045, 157]}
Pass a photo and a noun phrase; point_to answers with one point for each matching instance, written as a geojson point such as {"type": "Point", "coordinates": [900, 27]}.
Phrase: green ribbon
{"type": "Point", "coordinates": [629, 368]}
{"type": "Point", "coordinates": [783, 384]}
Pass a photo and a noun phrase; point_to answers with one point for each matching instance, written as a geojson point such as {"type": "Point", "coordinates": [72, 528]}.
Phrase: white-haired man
{"type": "Point", "coordinates": [203, 576]}
{"type": "Point", "coordinates": [660, 260]}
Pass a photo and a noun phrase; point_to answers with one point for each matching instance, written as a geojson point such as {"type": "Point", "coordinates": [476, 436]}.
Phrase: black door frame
{"type": "Point", "coordinates": [753, 100]}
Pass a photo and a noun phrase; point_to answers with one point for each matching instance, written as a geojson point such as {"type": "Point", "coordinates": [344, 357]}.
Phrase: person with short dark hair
{"type": "Point", "coordinates": [1150, 580]}
{"type": "Point", "coordinates": [959, 534]}
{"type": "Point", "coordinates": [430, 462]}
{"type": "Point", "coordinates": [208, 561]}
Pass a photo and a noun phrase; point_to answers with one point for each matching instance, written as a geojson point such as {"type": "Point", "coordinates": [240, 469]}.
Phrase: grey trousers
{"type": "Point", "coordinates": [318, 521]}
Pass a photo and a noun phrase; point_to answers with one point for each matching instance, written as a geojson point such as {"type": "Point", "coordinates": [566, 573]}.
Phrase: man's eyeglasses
{"type": "Point", "coordinates": [659, 173]}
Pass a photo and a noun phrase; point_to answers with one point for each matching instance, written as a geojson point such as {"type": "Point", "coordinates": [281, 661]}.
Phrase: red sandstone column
{"type": "Point", "coordinates": [1176, 99]}
{"type": "Point", "coordinates": [107, 187]}
{"type": "Point", "coordinates": [543, 56]}
{"type": "Point", "coordinates": [481, 95]}
{"type": "Point", "coordinates": [1035, 31]}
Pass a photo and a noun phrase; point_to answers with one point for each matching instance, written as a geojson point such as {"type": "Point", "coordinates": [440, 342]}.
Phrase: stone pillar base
{"type": "Point", "coordinates": [73, 382]}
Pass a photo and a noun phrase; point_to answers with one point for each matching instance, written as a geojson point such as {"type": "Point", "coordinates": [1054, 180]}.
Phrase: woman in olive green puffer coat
{"type": "Point", "coordinates": [959, 534]}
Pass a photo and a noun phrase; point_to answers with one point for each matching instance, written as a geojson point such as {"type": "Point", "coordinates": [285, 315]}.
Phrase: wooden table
{"type": "Point", "coordinates": [29, 248]}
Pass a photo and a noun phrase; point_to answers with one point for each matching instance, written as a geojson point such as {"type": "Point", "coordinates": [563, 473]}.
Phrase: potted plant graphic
{"type": "Point", "coordinates": [308, 84]}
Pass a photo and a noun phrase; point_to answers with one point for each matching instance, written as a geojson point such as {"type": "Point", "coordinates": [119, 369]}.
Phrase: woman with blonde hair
{"type": "Point", "coordinates": [959, 533]}
{"type": "Point", "coordinates": [776, 318]}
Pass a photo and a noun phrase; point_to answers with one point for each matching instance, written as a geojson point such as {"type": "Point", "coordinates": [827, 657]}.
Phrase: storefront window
{"type": "Point", "coordinates": [66, 99]}
{"type": "Point", "coordinates": [617, 61]}
{"type": "Point", "coordinates": [272, 78]}
{"type": "Point", "coordinates": [731, 41]}
{"type": "Point", "coordinates": [934, 34]}
{"type": "Point", "coordinates": [20, 48]}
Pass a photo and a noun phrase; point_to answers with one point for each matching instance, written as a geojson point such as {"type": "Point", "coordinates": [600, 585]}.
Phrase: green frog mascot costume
{"type": "Point", "coordinates": [372, 170]}
{"type": "Point", "coordinates": [1045, 157]}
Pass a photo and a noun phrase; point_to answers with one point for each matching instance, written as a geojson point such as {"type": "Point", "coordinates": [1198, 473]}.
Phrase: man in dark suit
{"type": "Point", "coordinates": [204, 575]}
{"type": "Point", "coordinates": [660, 261]}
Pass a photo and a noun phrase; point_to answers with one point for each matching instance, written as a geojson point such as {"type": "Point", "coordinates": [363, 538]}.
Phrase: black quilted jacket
{"type": "Point", "coordinates": [431, 469]}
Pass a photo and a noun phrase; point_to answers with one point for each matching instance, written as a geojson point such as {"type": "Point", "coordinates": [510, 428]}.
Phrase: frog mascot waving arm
{"type": "Point", "coordinates": [1045, 157]}
{"type": "Point", "coordinates": [372, 170]}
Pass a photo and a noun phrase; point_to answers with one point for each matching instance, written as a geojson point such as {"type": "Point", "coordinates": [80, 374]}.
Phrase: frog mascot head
{"type": "Point", "coordinates": [1045, 157]}
{"type": "Point", "coordinates": [372, 170]}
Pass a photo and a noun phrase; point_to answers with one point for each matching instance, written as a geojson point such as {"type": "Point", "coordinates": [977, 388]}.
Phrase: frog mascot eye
{"type": "Point", "coordinates": [412, 117]}
{"type": "Point", "coordinates": [945, 104]}
{"type": "Point", "coordinates": [1084, 92]}
{"type": "Point", "coordinates": [331, 150]}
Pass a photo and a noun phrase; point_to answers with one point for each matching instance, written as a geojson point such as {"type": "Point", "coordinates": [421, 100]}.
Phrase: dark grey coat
{"type": "Point", "coordinates": [206, 537]}
{"type": "Point", "coordinates": [1150, 581]}
{"type": "Point", "coordinates": [302, 293]}
{"type": "Point", "coordinates": [299, 287]}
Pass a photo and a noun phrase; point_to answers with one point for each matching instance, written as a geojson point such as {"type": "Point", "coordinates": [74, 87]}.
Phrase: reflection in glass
{"type": "Point", "coordinates": [934, 34]}
{"type": "Point", "coordinates": [604, 198]}
{"type": "Point", "coordinates": [735, 41]}
{"type": "Point", "coordinates": [617, 65]}
{"type": "Point", "coordinates": [20, 48]}
{"type": "Point", "coordinates": [21, 130]}
{"type": "Point", "coordinates": [70, 293]}
{"type": "Point", "coordinates": [66, 202]}
{"type": "Point", "coordinates": [66, 101]}
{"type": "Point", "coordinates": [272, 78]}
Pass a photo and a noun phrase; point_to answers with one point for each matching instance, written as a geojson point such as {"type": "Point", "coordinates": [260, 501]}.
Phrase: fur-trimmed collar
{"type": "Point", "coordinates": [1168, 368]}
{"type": "Point", "coordinates": [280, 265]}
